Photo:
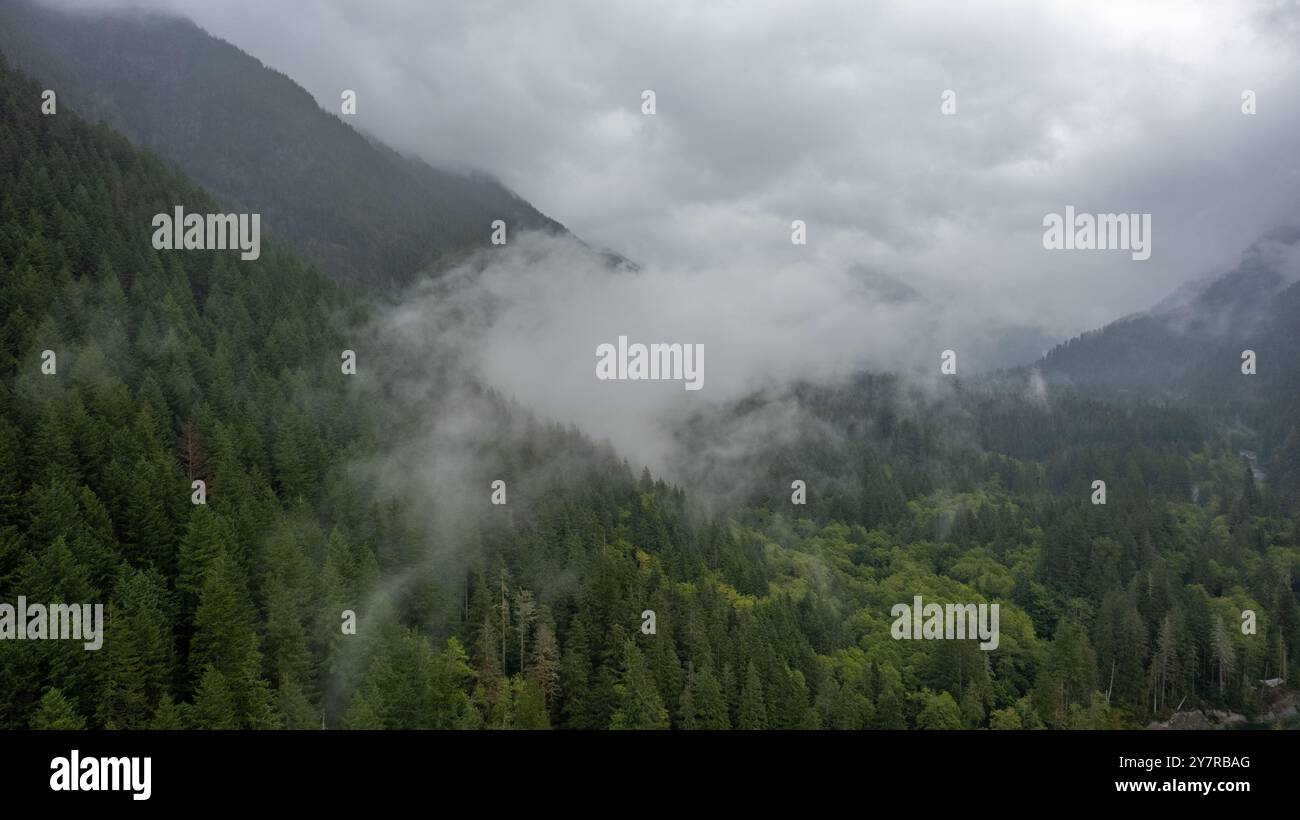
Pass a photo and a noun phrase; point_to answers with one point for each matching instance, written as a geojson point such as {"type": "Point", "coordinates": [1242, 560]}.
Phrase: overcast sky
{"type": "Point", "coordinates": [830, 112]}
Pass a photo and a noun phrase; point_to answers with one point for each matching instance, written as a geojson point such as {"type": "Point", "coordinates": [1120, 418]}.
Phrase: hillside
{"type": "Point", "coordinates": [260, 142]}
{"type": "Point", "coordinates": [1188, 350]}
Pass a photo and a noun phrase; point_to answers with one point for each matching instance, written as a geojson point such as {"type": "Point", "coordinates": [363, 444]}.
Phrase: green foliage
{"type": "Point", "coordinates": [57, 712]}
{"type": "Point", "coordinates": [638, 703]}
{"type": "Point", "coordinates": [938, 711]}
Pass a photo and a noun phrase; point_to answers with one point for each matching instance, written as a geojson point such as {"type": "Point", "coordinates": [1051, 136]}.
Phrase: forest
{"type": "Point", "coordinates": [173, 367]}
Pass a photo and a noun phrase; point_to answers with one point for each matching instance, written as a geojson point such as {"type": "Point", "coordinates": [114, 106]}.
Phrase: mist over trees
{"type": "Point", "coordinates": [767, 614]}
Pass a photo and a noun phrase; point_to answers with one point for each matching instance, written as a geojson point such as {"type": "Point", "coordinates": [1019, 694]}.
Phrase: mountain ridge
{"type": "Point", "coordinates": [1191, 349]}
{"type": "Point", "coordinates": [366, 213]}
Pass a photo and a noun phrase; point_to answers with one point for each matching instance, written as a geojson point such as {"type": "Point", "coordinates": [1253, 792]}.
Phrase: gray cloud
{"type": "Point", "coordinates": [828, 112]}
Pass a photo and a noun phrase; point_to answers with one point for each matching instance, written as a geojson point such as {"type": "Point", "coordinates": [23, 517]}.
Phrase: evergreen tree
{"type": "Point", "coordinates": [57, 712]}
{"type": "Point", "coordinates": [752, 713]}
{"type": "Point", "coordinates": [638, 703]}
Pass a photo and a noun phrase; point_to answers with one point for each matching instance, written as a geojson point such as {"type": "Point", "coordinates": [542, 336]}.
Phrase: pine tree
{"type": "Point", "coordinates": [214, 703]}
{"type": "Point", "coordinates": [137, 650]}
{"type": "Point", "coordinates": [293, 708]}
{"type": "Point", "coordinates": [638, 705]}
{"type": "Point", "coordinates": [225, 643]}
{"type": "Point", "coordinates": [1222, 651]}
{"type": "Point", "coordinates": [686, 715]}
{"type": "Point", "coordinates": [207, 534]}
{"type": "Point", "coordinates": [57, 712]}
{"type": "Point", "coordinates": [544, 666]}
{"type": "Point", "coordinates": [365, 711]}
{"type": "Point", "coordinates": [530, 706]}
{"type": "Point", "coordinates": [169, 715]}
{"type": "Point", "coordinates": [286, 596]}
{"type": "Point", "coordinates": [752, 713]}
{"type": "Point", "coordinates": [525, 615]}
{"type": "Point", "coordinates": [711, 706]}
{"type": "Point", "coordinates": [576, 679]}
{"type": "Point", "coordinates": [452, 680]}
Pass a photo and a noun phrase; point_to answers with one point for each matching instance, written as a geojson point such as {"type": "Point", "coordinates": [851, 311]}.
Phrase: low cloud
{"type": "Point", "coordinates": [526, 320]}
{"type": "Point", "coordinates": [829, 112]}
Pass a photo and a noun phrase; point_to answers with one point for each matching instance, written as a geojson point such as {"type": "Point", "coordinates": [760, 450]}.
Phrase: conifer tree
{"type": "Point", "coordinates": [638, 705]}
{"type": "Point", "coordinates": [752, 712]}
{"type": "Point", "coordinates": [57, 712]}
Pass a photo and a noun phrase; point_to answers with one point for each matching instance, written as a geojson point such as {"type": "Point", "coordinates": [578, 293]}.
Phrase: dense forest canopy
{"type": "Point", "coordinates": [173, 367]}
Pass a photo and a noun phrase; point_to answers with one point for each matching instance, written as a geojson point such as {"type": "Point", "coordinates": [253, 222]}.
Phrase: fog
{"type": "Point", "coordinates": [829, 112]}
{"type": "Point", "coordinates": [924, 229]}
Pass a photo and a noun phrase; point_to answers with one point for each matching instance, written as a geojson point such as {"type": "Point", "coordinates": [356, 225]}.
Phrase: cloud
{"type": "Point", "coordinates": [526, 319]}
{"type": "Point", "coordinates": [829, 112]}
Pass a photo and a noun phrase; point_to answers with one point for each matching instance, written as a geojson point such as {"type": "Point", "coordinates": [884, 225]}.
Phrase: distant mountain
{"type": "Point", "coordinates": [1195, 334]}
{"type": "Point", "coordinates": [363, 212]}
{"type": "Point", "coordinates": [1189, 349]}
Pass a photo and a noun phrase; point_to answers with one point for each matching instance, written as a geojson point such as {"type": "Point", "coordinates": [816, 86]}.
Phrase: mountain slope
{"type": "Point", "coordinates": [168, 367]}
{"type": "Point", "coordinates": [249, 134]}
{"type": "Point", "coordinates": [1189, 349]}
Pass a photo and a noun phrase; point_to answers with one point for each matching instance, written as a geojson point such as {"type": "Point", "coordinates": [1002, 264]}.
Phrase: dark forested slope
{"type": "Point", "coordinates": [256, 139]}
{"type": "Point", "coordinates": [1189, 350]}
{"type": "Point", "coordinates": [169, 366]}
